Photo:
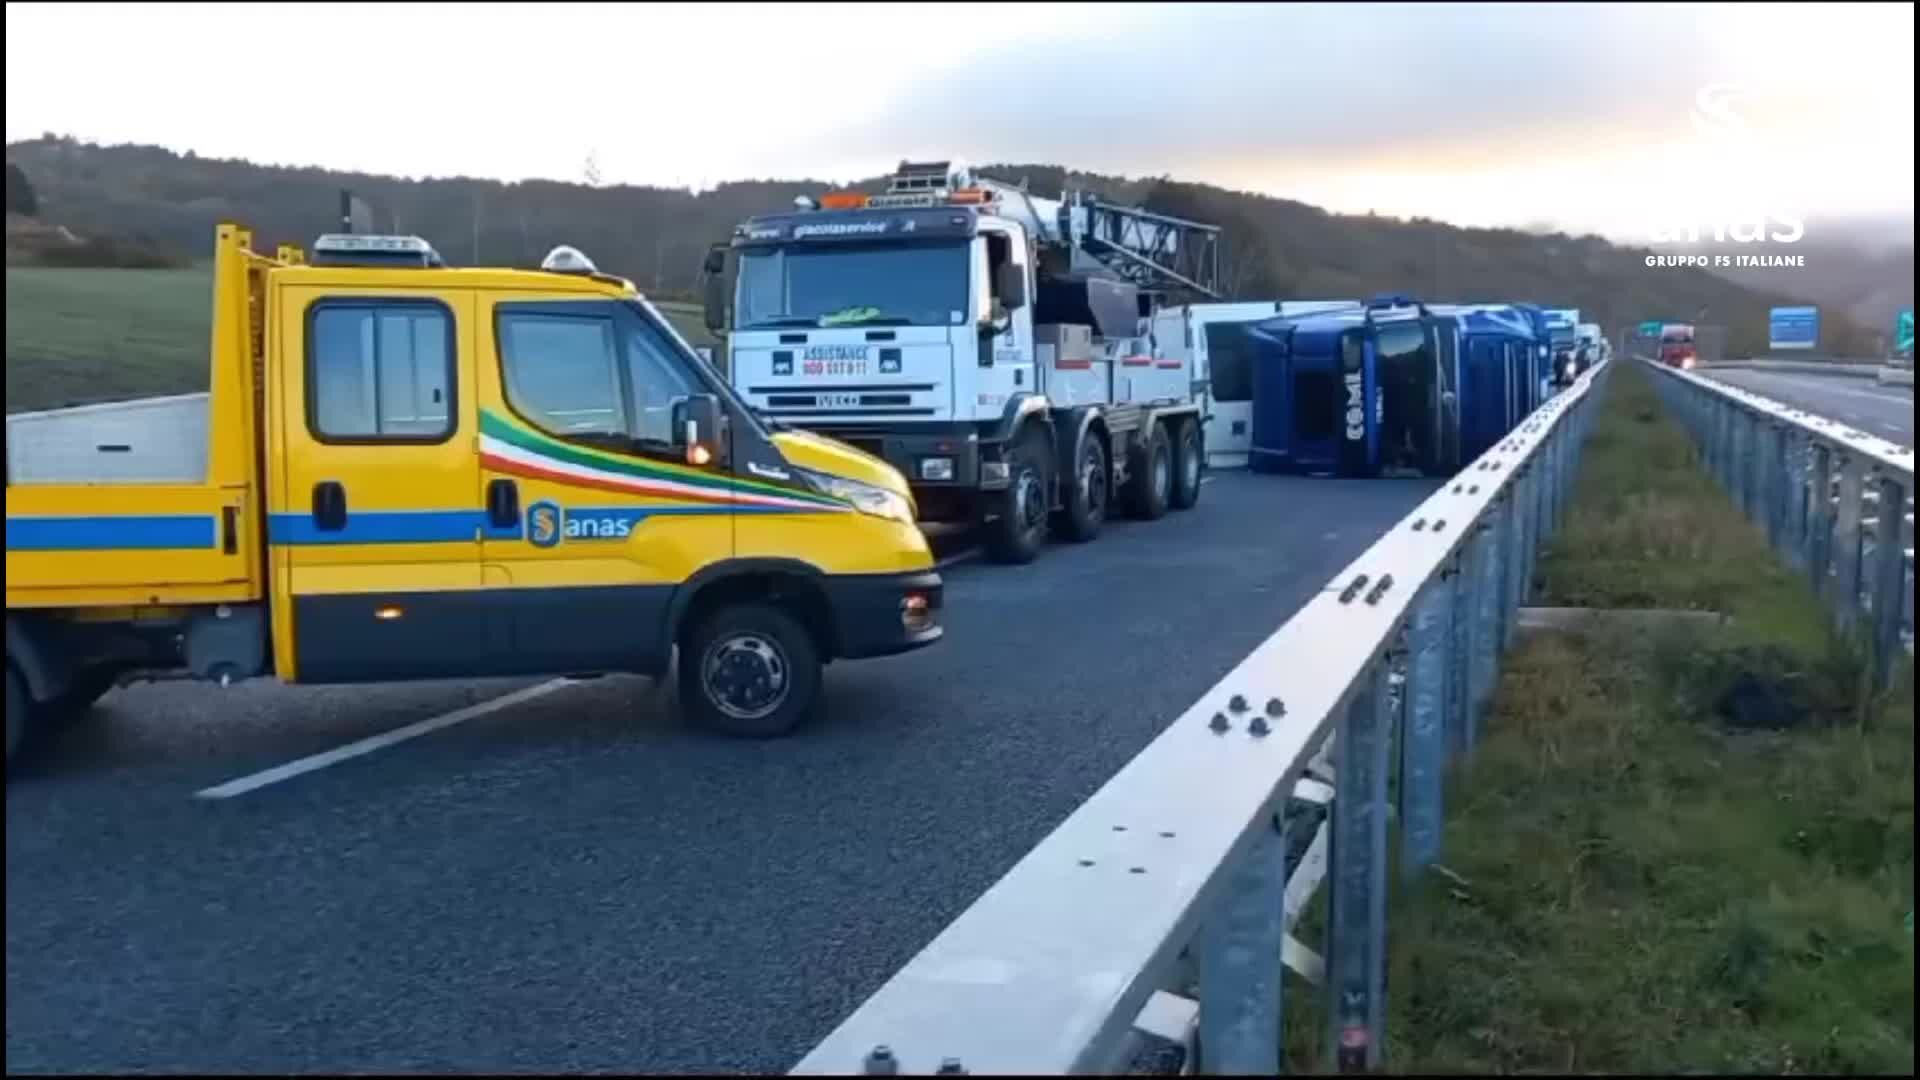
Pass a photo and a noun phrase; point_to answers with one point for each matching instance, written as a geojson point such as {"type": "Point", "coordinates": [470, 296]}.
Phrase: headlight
{"type": "Point", "coordinates": [876, 501]}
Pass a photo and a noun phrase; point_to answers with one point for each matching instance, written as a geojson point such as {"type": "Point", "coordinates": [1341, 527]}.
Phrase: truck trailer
{"type": "Point", "coordinates": [993, 345]}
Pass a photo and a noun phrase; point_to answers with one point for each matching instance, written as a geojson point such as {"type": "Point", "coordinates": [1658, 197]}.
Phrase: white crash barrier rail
{"type": "Point", "coordinates": [1166, 902]}
{"type": "Point", "coordinates": [1836, 503]}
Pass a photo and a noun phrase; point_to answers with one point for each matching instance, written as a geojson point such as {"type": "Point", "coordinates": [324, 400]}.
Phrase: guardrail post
{"type": "Point", "coordinates": [1459, 652]}
{"type": "Point", "coordinates": [1240, 966]}
{"type": "Point", "coordinates": [1846, 541]}
{"type": "Point", "coordinates": [1357, 908]}
{"type": "Point", "coordinates": [1749, 427]}
{"type": "Point", "coordinates": [1423, 740]}
{"type": "Point", "coordinates": [1536, 493]}
{"type": "Point", "coordinates": [1527, 513]}
{"type": "Point", "coordinates": [1794, 540]}
{"type": "Point", "coordinates": [1486, 628]}
{"type": "Point", "coordinates": [1889, 578]}
{"type": "Point", "coordinates": [1723, 436]}
{"type": "Point", "coordinates": [1820, 521]}
{"type": "Point", "coordinates": [1774, 462]}
{"type": "Point", "coordinates": [1557, 471]}
{"type": "Point", "coordinates": [1509, 572]}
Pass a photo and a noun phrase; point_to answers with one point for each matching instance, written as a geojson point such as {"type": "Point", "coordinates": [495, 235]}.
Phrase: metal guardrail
{"type": "Point", "coordinates": [1798, 367]}
{"type": "Point", "coordinates": [1195, 856]}
{"type": "Point", "coordinates": [1822, 491]}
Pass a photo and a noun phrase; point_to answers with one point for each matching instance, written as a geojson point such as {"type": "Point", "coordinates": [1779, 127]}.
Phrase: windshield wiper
{"type": "Point", "coordinates": [784, 320]}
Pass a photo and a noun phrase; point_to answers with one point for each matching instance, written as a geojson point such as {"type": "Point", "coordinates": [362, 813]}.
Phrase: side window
{"type": "Point", "coordinates": [563, 373]}
{"type": "Point", "coordinates": [380, 371]}
{"type": "Point", "coordinates": [998, 253]}
{"type": "Point", "coordinates": [657, 376]}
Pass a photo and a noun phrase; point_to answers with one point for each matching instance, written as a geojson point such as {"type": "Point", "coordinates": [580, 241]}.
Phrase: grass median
{"type": "Point", "coordinates": [1685, 850]}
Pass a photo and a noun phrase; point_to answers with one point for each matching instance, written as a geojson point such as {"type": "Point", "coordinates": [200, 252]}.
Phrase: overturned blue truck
{"type": "Point", "coordinates": [1396, 388]}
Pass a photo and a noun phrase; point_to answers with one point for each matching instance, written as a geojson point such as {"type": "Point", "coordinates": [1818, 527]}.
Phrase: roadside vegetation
{"type": "Point", "coordinates": [1682, 851]}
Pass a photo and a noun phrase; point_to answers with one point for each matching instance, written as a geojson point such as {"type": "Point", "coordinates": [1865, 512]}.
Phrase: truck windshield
{"type": "Point", "coordinates": [866, 285]}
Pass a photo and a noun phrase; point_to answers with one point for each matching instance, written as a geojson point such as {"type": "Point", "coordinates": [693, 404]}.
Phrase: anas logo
{"type": "Point", "coordinates": [1716, 115]}
{"type": "Point", "coordinates": [547, 525]}
{"type": "Point", "coordinates": [1732, 151]}
{"type": "Point", "coordinates": [543, 525]}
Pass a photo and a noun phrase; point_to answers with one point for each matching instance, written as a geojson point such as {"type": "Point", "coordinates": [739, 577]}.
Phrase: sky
{"type": "Point", "coordinates": [1610, 118]}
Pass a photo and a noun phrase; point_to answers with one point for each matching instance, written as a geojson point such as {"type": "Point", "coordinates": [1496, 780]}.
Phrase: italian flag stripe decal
{"type": "Point", "coordinates": [511, 449]}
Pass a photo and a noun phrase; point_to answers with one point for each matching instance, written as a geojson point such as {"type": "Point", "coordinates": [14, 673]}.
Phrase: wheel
{"type": "Point", "coordinates": [16, 712]}
{"type": "Point", "coordinates": [1152, 479]}
{"type": "Point", "coordinates": [1189, 461]}
{"type": "Point", "coordinates": [749, 670]}
{"type": "Point", "coordinates": [1016, 534]}
{"type": "Point", "coordinates": [1087, 497]}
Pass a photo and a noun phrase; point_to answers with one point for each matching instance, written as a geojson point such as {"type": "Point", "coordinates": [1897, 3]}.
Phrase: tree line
{"type": "Point", "coordinates": [152, 198]}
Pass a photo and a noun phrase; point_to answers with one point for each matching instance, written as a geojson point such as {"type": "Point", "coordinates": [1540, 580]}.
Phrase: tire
{"type": "Point", "coordinates": [1152, 479]}
{"type": "Point", "coordinates": [1087, 491]}
{"type": "Point", "coordinates": [1016, 535]}
{"type": "Point", "coordinates": [749, 670]}
{"type": "Point", "coordinates": [16, 713]}
{"type": "Point", "coordinates": [1189, 465]}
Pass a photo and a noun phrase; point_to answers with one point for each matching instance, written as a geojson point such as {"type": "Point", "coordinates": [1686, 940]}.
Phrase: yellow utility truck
{"type": "Point", "coordinates": [408, 471]}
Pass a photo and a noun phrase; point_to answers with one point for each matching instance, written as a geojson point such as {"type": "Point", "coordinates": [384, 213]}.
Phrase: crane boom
{"type": "Point", "coordinates": [1080, 233]}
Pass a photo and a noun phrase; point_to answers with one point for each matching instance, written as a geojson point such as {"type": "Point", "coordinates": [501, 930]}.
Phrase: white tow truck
{"type": "Point", "coordinates": [993, 345]}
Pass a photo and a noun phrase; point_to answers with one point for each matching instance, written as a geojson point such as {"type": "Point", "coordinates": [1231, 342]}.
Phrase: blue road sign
{"type": "Point", "coordinates": [1793, 328]}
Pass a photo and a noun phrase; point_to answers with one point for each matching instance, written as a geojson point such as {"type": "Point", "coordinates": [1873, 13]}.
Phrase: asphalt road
{"type": "Point", "coordinates": [579, 883]}
{"type": "Point", "coordinates": [1886, 411]}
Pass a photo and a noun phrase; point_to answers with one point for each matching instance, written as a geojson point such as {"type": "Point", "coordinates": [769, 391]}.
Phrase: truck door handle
{"type": "Point", "coordinates": [503, 504]}
{"type": "Point", "coordinates": [330, 505]}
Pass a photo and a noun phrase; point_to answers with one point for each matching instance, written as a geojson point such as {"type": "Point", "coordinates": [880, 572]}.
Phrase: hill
{"type": "Point", "coordinates": [657, 236]}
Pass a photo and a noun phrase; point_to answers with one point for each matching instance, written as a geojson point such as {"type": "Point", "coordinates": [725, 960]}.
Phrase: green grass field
{"type": "Point", "coordinates": [80, 336]}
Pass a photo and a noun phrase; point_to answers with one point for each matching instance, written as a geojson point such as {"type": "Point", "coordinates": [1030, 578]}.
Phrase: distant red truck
{"type": "Point", "coordinates": [1676, 346]}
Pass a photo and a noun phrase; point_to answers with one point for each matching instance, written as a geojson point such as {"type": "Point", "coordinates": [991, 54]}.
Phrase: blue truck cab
{"type": "Point", "coordinates": [1357, 393]}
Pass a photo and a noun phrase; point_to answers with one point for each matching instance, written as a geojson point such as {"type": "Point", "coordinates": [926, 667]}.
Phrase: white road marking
{"type": "Point", "coordinates": [368, 745]}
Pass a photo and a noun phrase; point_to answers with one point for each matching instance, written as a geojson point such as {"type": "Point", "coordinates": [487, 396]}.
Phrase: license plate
{"type": "Point", "coordinates": [834, 367]}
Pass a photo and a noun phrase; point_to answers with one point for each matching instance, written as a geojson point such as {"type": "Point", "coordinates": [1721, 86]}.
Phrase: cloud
{"type": "Point", "coordinates": [1202, 85]}
{"type": "Point", "coordinates": [1579, 114]}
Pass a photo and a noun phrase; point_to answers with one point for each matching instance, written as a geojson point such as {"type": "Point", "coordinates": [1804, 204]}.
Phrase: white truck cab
{"type": "Point", "coordinates": [988, 343]}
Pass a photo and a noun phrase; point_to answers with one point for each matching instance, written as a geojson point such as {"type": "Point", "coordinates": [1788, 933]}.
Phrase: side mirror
{"type": "Point", "coordinates": [714, 289]}
{"type": "Point", "coordinates": [1010, 285]}
{"type": "Point", "coordinates": [697, 430]}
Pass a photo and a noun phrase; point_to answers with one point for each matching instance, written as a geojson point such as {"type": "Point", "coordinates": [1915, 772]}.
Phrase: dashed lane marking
{"type": "Point", "coordinates": [291, 769]}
